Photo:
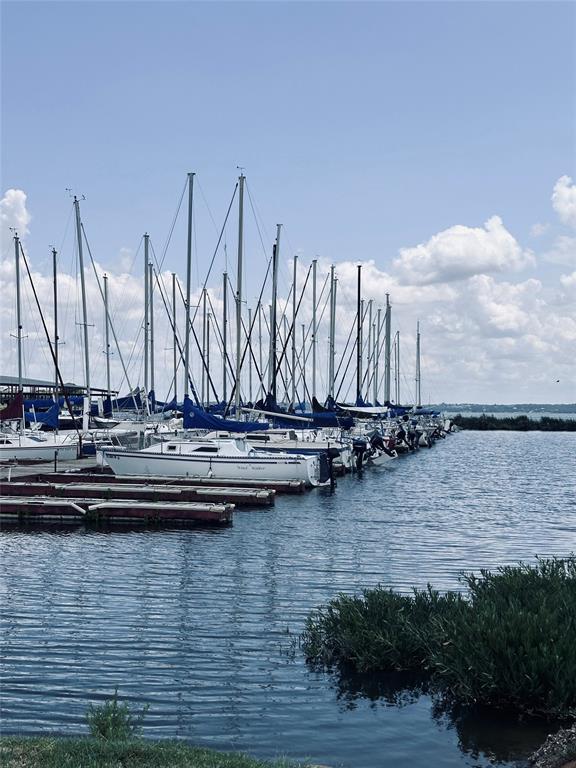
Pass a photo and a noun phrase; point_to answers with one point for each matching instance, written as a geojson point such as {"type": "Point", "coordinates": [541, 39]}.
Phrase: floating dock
{"type": "Point", "coordinates": [20, 509]}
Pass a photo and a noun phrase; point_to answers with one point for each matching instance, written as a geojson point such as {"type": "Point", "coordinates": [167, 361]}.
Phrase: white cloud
{"type": "Point", "coordinates": [538, 229]}
{"type": "Point", "coordinates": [563, 251]}
{"type": "Point", "coordinates": [13, 216]}
{"type": "Point", "coordinates": [461, 252]}
{"type": "Point", "coordinates": [564, 200]}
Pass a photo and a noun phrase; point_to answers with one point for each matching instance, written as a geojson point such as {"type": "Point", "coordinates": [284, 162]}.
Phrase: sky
{"type": "Point", "coordinates": [432, 142]}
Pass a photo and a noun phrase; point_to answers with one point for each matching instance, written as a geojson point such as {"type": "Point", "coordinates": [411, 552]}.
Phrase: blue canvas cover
{"type": "Point", "coordinates": [198, 418]}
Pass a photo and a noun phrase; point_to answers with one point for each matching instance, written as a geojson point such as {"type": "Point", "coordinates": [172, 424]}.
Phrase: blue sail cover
{"type": "Point", "coordinates": [198, 418]}
{"type": "Point", "coordinates": [318, 417]}
{"type": "Point", "coordinates": [49, 417]}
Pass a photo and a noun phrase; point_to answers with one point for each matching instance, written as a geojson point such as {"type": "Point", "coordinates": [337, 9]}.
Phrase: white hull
{"type": "Point", "coordinates": [253, 465]}
{"type": "Point", "coordinates": [29, 450]}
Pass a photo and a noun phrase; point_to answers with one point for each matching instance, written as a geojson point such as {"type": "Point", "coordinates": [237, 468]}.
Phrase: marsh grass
{"type": "Point", "coordinates": [509, 640]}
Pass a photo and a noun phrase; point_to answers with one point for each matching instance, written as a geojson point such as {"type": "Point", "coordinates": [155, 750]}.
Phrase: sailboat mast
{"type": "Point", "coordinates": [146, 320]}
{"type": "Point", "coordinates": [273, 321]}
{"type": "Point", "coordinates": [314, 270]}
{"type": "Point", "coordinates": [369, 349]}
{"type": "Point", "coordinates": [294, 311]}
{"type": "Point", "coordinates": [418, 384]}
{"type": "Point", "coordinates": [359, 335]}
{"type": "Point", "coordinates": [224, 336]}
{"type": "Point", "coordinates": [175, 346]}
{"type": "Point", "coordinates": [387, 321]}
{"type": "Point", "coordinates": [397, 367]}
{"type": "Point", "coordinates": [239, 290]}
{"type": "Point", "coordinates": [151, 337]}
{"type": "Point", "coordinates": [250, 356]}
{"type": "Point", "coordinates": [55, 292]}
{"type": "Point", "coordinates": [303, 362]}
{"type": "Point", "coordinates": [106, 335]}
{"type": "Point", "coordinates": [18, 312]}
{"type": "Point", "coordinates": [203, 377]}
{"type": "Point", "coordinates": [83, 291]}
{"type": "Point", "coordinates": [377, 354]}
{"type": "Point", "coordinates": [188, 283]}
{"type": "Point", "coordinates": [332, 333]}
{"type": "Point", "coordinates": [260, 389]}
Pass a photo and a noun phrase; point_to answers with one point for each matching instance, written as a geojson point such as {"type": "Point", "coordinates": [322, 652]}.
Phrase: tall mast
{"type": "Point", "coordinates": [18, 312]}
{"type": "Point", "coordinates": [377, 354]}
{"type": "Point", "coordinates": [239, 290]}
{"type": "Point", "coordinates": [55, 287]}
{"type": "Point", "coordinates": [418, 384]}
{"type": "Point", "coordinates": [294, 311]}
{"type": "Point", "coordinates": [224, 336]}
{"type": "Point", "coordinates": [250, 355]}
{"type": "Point", "coordinates": [83, 290]}
{"type": "Point", "coordinates": [208, 360]}
{"type": "Point", "coordinates": [284, 340]}
{"type": "Point", "coordinates": [188, 282]}
{"type": "Point", "coordinates": [151, 284]}
{"type": "Point", "coordinates": [397, 367]}
{"type": "Point", "coordinates": [387, 321]}
{"type": "Point", "coordinates": [106, 335]}
{"type": "Point", "coordinates": [146, 320]}
{"type": "Point", "coordinates": [175, 347]}
{"type": "Point", "coordinates": [260, 388]}
{"type": "Point", "coordinates": [332, 332]}
{"type": "Point", "coordinates": [369, 348]}
{"type": "Point", "coordinates": [204, 377]}
{"type": "Point", "coordinates": [273, 322]}
{"type": "Point", "coordinates": [359, 335]}
{"type": "Point", "coordinates": [314, 270]}
{"type": "Point", "coordinates": [303, 362]}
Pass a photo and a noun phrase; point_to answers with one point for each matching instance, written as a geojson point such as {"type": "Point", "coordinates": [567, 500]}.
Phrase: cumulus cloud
{"type": "Point", "coordinates": [563, 251]}
{"type": "Point", "coordinates": [564, 200]}
{"type": "Point", "coordinates": [460, 252]}
{"type": "Point", "coordinates": [13, 216]}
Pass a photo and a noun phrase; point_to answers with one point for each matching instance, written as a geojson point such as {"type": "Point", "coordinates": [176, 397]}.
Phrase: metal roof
{"type": "Point", "coordinates": [12, 381]}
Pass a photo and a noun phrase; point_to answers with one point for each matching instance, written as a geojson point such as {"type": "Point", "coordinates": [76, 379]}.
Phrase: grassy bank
{"type": "Point", "coordinates": [18, 752]}
{"type": "Point", "coordinates": [515, 423]}
{"type": "Point", "coordinates": [507, 641]}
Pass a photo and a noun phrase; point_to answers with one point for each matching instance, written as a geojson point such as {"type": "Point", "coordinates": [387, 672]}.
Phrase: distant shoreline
{"type": "Point", "coordinates": [522, 423]}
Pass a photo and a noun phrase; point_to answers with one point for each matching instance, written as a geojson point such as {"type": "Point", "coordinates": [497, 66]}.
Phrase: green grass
{"type": "Point", "coordinates": [100, 753]}
{"type": "Point", "coordinates": [508, 641]}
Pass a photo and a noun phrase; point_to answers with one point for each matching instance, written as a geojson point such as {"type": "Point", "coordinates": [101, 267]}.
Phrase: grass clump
{"type": "Point", "coordinates": [508, 641]}
{"type": "Point", "coordinates": [113, 720]}
{"type": "Point", "coordinates": [101, 753]}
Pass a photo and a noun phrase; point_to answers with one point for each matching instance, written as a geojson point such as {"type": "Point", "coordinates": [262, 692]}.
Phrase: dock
{"type": "Point", "coordinates": [45, 509]}
{"type": "Point", "coordinates": [81, 492]}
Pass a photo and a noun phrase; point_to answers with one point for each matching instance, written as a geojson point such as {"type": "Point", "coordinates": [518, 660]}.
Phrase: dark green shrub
{"type": "Point", "coordinates": [114, 721]}
{"type": "Point", "coordinates": [510, 641]}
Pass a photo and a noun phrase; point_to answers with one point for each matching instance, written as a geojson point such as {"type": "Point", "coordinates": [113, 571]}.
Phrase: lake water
{"type": "Point", "coordinates": [203, 625]}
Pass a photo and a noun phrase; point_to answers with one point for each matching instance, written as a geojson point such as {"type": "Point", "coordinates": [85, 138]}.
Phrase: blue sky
{"type": "Point", "coordinates": [364, 128]}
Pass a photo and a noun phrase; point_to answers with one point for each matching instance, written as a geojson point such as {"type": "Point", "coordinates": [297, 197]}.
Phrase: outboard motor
{"type": "Point", "coordinates": [331, 454]}
{"type": "Point", "coordinates": [359, 450]}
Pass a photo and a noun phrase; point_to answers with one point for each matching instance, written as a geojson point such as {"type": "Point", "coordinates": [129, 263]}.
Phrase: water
{"type": "Point", "coordinates": [203, 625]}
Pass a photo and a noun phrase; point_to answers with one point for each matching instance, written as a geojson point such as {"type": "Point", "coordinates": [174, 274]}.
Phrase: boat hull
{"type": "Point", "coordinates": [217, 467]}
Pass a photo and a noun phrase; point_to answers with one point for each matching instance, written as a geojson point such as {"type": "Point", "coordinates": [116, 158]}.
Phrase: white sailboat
{"type": "Point", "coordinates": [220, 459]}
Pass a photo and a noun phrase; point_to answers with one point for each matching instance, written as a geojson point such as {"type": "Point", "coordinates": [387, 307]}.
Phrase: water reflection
{"type": "Point", "coordinates": [483, 733]}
